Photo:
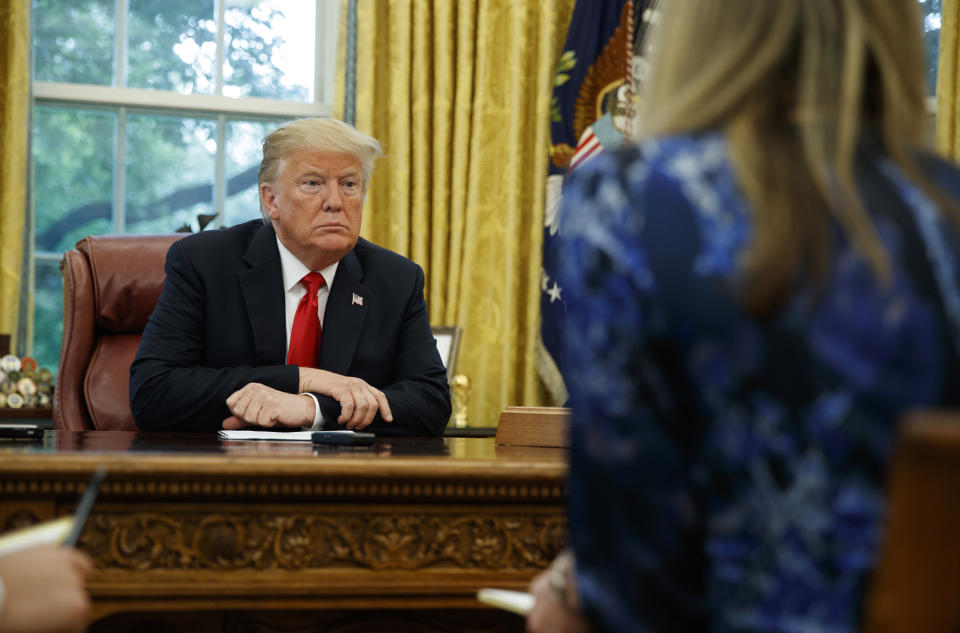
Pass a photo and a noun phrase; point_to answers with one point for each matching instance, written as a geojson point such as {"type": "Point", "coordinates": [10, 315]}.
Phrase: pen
{"type": "Point", "coordinates": [85, 506]}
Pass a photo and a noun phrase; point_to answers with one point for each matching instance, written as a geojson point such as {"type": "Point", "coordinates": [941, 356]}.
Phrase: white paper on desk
{"type": "Point", "coordinates": [48, 533]}
{"type": "Point", "coordinates": [519, 602]}
{"type": "Point", "coordinates": [296, 436]}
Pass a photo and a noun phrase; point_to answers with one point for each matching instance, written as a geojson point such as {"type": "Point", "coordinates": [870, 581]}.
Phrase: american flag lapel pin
{"type": "Point", "coordinates": [357, 300]}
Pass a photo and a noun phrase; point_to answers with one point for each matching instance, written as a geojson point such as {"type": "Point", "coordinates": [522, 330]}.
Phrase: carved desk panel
{"type": "Point", "coordinates": [188, 523]}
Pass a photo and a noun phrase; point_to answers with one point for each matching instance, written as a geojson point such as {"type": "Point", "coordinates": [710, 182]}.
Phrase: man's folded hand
{"type": "Point", "coordinates": [359, 402]}
{"type": "Point", "coordinates": [260, 405]}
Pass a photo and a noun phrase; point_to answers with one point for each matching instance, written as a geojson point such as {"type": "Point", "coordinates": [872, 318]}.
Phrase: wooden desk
{"type": "Point", "coordinates": [212, 534]}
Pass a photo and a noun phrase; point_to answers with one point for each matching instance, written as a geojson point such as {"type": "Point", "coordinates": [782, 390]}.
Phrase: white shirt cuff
{"type": "Point", "coordinates": [318, 420]}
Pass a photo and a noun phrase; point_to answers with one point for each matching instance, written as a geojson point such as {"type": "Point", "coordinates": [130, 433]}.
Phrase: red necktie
{"type": "Point", "coordinates": [305, 335]}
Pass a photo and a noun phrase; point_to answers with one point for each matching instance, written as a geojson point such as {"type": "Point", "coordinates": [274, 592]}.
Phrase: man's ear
{"type": "Point", "coordinates": [269, 200]}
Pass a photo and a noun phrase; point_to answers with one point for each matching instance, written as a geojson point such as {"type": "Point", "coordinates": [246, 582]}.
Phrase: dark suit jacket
{"type": "Point", "coordinates": [219, 324]}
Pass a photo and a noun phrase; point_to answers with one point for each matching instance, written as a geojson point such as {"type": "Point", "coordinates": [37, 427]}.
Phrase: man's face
{"type": "Point", "coordinates": [316, 205]}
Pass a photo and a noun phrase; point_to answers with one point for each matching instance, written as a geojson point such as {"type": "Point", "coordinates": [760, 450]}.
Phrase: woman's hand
{"type": "Point", "coordinates": [555, 605]}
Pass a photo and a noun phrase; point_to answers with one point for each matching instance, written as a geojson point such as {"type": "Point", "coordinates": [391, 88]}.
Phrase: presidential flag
{"type": "Point", "coordinates": [592, 110]}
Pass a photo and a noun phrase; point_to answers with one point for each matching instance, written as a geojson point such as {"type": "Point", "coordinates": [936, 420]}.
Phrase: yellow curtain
{"type": "Point", "coordinates": [14, 130]}
{"type": "Point", "coordinates": [458, 93]}
{"type": "Point", "coordinates": [948, 107]}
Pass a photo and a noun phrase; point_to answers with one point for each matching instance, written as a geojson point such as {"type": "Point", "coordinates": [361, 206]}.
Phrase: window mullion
{"type": "Point", "coordinates": [120, 46]}
{"type": "Point", "coordinates": [157, 100]}
{"type": "Point", "coordinates": [220, 181]}
{"type": "Point", "coordinates": [319, 54]}
{"type": "Point", "coordinates": [120, 173]}
{"type": "Point", "coordinates": [221, 39]}
{"type": "Point", "coordinates": [328, 16]}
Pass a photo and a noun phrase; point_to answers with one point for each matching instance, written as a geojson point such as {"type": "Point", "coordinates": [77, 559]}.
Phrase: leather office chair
{"type": "Point", "coordinates": [916, 587]}
{"type": "Point", "coordinates": [111, 283]}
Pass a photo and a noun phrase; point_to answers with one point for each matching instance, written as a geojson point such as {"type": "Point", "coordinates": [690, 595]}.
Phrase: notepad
{"type": "Point", "coordinates": [49, 533]}
{"type": "Point", "coordinates": [289, 436]}
{"type": "Point", "coordinates": [295, 436]}
{"type": "Point", "coordinates": [519, 602]}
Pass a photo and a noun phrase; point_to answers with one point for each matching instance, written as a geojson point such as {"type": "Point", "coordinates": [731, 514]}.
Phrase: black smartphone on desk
{"type": "Point", "coordinates": [343, 438]}
{"type": "Point", "coordinates": [9, 431]}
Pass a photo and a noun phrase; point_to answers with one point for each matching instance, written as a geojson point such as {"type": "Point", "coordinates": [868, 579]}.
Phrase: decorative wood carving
{"type": "Point", "coordinates": [297, 540]}
{"type": "Point", "coordinates": [20, 519]}
{"type": "Point", "coordinates": [329, 621]}
{"type": "Point", "coordinates": [34, 486]}
{"type": "Point", "coordinates": [243, 488]}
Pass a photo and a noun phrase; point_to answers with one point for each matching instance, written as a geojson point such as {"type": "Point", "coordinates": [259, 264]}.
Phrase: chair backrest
{"type": "Point", "coordinates": [916, 586]}
{"type": "Point", "coordinates": [111, 284]}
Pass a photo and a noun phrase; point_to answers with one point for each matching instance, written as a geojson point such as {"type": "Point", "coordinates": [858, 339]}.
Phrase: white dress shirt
{"type": "Point", "coordinates": [293, 290]}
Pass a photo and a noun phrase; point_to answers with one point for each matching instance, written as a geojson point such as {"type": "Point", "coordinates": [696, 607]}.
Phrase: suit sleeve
{"type": "Point", "coordinates": [418, 392]}
{"type": "Point", "coordinates": [170, 386]}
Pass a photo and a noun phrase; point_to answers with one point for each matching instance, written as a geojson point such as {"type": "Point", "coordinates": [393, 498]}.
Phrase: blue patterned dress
{"type": "Point", "coordinates": [727, 474]}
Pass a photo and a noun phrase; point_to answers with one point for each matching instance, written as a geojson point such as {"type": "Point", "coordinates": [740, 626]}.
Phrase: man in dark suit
{"type": "Point", "coordinates": [224, 346]}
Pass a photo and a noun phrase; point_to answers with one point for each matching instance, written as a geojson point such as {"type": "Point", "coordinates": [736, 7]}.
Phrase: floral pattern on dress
{"type": "Point", "coordinates": [727, 474]}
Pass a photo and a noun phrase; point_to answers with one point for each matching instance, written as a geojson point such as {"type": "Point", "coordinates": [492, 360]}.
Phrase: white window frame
{"type": "Point", "coordinates": [120, 99]}
{"type": "Point", "coordinates": [327, 22]}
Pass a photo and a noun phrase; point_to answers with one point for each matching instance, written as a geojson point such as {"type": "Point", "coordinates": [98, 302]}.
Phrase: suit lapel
{"type": "Point", "coordinates": [344, 316]}
{"type": "Point", "coordinates": [262, 287]}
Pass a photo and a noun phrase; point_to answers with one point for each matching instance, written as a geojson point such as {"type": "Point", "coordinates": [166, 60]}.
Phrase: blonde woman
{"type": "Point", "coordinates": [756, 292]}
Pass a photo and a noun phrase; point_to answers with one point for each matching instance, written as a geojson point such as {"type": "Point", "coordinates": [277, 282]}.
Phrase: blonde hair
{"type": "Point", "coordinates": [792, 83]}
{"type": "Point", "coordinates": [319, 134]}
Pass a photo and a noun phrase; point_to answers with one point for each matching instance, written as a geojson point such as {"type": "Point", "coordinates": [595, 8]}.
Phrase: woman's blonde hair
{"type": "Point", "coordinates": [794, 83]}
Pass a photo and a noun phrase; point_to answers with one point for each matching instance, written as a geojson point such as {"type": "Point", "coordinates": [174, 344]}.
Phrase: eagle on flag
{"type": "Point", "coordinates": [592, 111]}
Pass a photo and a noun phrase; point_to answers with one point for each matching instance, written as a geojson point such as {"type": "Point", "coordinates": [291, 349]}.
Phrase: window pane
{"type": "Point", "coordinates": [172, 45]}
{"type": "Point", "coordinates": [74, 43]}
{"type": "Point", "coordinates": [170, 168]}
{"type": "Point", "coordinates": [931, 17]}
{"type": "Point", "coordinates": [270, 49]}
{"type": "Point", "coordinates": [48, 315]}
{"type": "Point", "coordinates": [73, 175]}
{"type": "Point", "coordinates": [244, 150]}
